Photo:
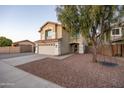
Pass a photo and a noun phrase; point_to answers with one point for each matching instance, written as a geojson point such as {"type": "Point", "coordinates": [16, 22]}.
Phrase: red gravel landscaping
{"type": "Point", "coordinates": [77, 71]}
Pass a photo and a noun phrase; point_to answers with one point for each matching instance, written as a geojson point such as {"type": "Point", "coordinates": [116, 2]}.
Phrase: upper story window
{"type": "Point", "coordinates": [49, 34]}
{"type": "Point", "coordinates": [116, 32]}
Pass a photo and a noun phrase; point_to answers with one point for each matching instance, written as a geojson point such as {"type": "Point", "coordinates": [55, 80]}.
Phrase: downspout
{"type": "Point", "coordinates": [55, 31]}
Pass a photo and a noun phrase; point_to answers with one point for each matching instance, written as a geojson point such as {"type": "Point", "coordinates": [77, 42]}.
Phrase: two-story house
{"type": "Point", "coordinates": [55, 40]}
{"type": "Point", "coordinates": [117, 38]}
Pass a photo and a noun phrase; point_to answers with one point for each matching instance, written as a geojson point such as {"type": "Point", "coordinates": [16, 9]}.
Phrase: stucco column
{"type": "Point", "coordinates": [55, 31]}
{"type": "Point", "coordinates": [81, 48]}
{"type": "Point", "coordinates": [81, 45]}
{"type": "Point", "coordinates": [36, 48]}
{"type": "Point", "coordinates": [57, 48]}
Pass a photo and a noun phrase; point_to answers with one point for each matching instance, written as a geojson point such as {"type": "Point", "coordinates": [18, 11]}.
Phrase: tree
{"type": "Point", "coordinates": [93, 21]}
{"type": "Point", "coordinates": [68, 16]}
{"type": "Point", "coordinates": [96, 21]}
{"type": "Point", "coordinates": [5, 42]}
{"type": "Point", "coordinates": [119, 14]}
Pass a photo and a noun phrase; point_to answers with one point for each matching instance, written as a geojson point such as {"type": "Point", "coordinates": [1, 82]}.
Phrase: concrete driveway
{"type": "Point", "coordinates": [10, 76]}
{"type": "Point", "coordinates": [5, 56]}
{"type": "Point", "coordinates": [14, 61]}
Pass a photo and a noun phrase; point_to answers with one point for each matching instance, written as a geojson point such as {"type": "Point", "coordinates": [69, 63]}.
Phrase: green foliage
{"type": "Point", "coordinates": [68, 15]}
{"type": "Point", "coordinates": [87, 19]}
{"type": "Point", "coordinates": [96, 18]}
{"type": "Point", "coordinates": [5, 42]}
{"type": "Point", "coordinates": [92, 21]}
{"type": "Point", "coordinates": [119, 14]}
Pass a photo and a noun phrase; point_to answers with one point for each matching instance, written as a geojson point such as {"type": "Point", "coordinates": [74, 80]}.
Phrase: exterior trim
{"type": "Point", "coordinates": [48, 41]}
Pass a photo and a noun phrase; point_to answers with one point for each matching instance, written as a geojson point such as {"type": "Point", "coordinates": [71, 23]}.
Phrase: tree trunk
{"type": "Point", "coordinates": [94, 52]}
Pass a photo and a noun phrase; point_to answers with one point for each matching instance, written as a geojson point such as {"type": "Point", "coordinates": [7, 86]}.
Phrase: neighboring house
{"type": "Point", "coordinates": [114, 46]}
{"type": "Point", "coordinates": [117, 31]}
{"type": "Point", "coordinates": [25, 46]}
{"type": "Point", "coordinates": [117, 38]}
{"type": "Point", "coordinates": [55, 40]}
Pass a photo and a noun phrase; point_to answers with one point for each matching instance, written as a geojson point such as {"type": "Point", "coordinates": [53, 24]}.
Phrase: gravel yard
{"type": "Point", "coordinates": [77, 71]}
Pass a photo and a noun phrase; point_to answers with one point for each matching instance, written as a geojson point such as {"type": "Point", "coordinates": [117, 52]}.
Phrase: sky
{"type": "Point", "coordinates": [23, 22]}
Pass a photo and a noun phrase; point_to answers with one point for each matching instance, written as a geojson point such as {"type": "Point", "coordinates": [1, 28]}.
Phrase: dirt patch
{"type": "Point", "coordinates": [76, 71]}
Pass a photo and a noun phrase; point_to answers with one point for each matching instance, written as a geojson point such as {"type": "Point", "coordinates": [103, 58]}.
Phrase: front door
{"type": "Point", "coordinates": [74, 47]}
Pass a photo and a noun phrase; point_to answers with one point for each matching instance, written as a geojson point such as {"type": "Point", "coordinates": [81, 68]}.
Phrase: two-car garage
{"type": "Point", "coordinates": [51, 48]}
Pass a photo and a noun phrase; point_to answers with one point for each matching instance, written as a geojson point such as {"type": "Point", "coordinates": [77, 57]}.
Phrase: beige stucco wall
{"type": "Point", "coordinates": [47, 27]}
{"type": "Point", "coordinates": [53, 27]}
{"type": "Point", "coordinates": [10, 49]}
{"type": "Point", "coordinates": [65, 48]}
{"type": "Point", "coordinates": [79, 40]}
{"type": "Point", "coordinates": [59, 31]}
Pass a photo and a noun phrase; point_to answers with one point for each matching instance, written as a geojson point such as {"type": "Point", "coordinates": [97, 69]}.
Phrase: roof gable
{"type": "Point", "coordinates": [49, 22]}
{"type": "Point", "coordinates": [23, 41]}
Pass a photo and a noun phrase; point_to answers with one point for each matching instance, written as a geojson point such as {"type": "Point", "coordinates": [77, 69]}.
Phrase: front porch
{"type": "Point", "coordinates": [77, 48]}
{"type": "Point", "coordinates": [74, 47]}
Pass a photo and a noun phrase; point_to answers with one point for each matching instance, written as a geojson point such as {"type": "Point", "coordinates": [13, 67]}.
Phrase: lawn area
{"type": "Point", "coordinates": [77, 71]}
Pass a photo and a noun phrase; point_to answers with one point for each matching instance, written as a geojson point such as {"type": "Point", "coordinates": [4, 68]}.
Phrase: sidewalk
{"type": "Point", "coordinates": [11, 77]}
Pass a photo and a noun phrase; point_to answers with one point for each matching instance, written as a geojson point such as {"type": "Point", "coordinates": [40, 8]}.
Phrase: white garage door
{"type": "Point", "coordinates": [48, 50]}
